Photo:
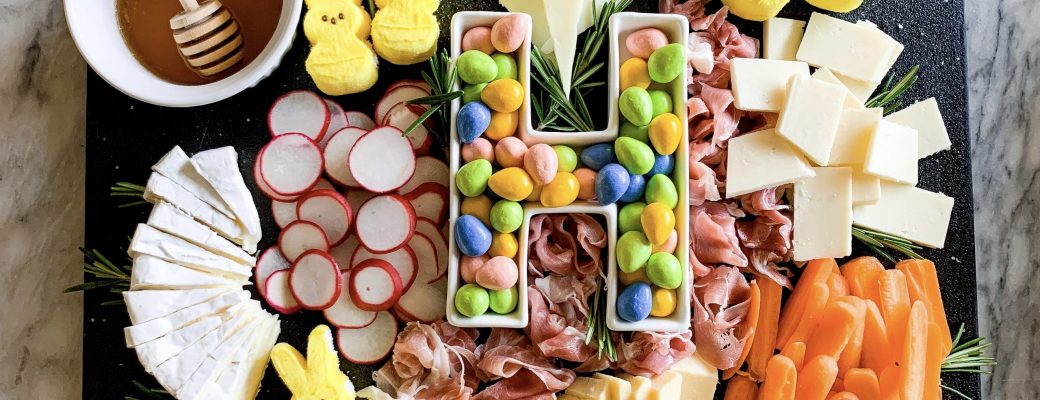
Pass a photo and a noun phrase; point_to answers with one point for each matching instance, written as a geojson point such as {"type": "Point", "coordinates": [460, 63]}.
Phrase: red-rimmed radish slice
{"type": "Point", "coordinates": [424, 302]}
{"type": "Point", "coordinates": [344, 314]}
{"type": "Point", "coordinates": [290, 164]}
{"type": "Point", "coordinates": [374, 285]}
{"type": "Point", "coordinates": [427, 169]}
{"type": "Point", "coordinates": [300, 236]}
{"type": "Point", "coordinates": [284, 212]}
{"type": "Point", "coordinates": [381, 161]}
{"type": "Point", "coordinates": [385, 223]}
{"type": "Point", "coordinates": [357, 198]}
{"type": "Point", "coordinates": [344, 252]}
{"type": "Point", "coordinates": [401, 117]}
{"type": "Point", "coordinates": [278, 294]}
{"type": "Point", "coordinates": [299, 111]}
{"type": "Point", "coordinates": [337, 153]}
{"type": "Point", "coordinates": [329, 210]}
{"type": "Point", "coordinates": [266, 190]}
{"type": "Point", "coordinates": [419, 83]}
{"type": "Point", "coordinates": [429, 229]}
{"type": "Point", "coordinates": [315, 280]}
{"type": "Point", "coordinates": [269, 262]}
{"type": "Point", "coordinates": [337, 120]}
{"type": "Point", "coordinates": [371, 344]}
{"type": "Point", "coordinates": [396, 95]}
{"type": "Point", "coordinates": [361, 120]}
{"type": "Point", "coordinates": [430, 200]}
{"type": "Point", "coordinates": [403, 260]}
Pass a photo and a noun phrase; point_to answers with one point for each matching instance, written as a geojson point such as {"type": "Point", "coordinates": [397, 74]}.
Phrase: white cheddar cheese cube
{"type": "Point", "coordinates": [588, 389]}
{"type": "Point", "coordinates": [169, 219]}
{"type": "Point", "coordinates": [823, 215]}
{"type": "Point", "coordinates": [151, 330]}
{"type": "Point", "coordinates": [908, 212]}
{"type": "Point", "coordinates": [925, 117]}
{"type": "Point", "coordinates": [760, 160]}
{"type": "Point", "coordinates": [640, 386]}
{"type": "Point", "coordinates": [866, 188]}
{"type": "Point", "coordinates": [146, 305]}
{"type": "Point", "coordinates": [857, 51]}
{"type": "Point", "coordinates": [892, 153]}
{"type": "Point", "coordinates": [761, 85]}
{"type": "Point", "coordinates": [809, 118]}
{"type": "Point", "coordinates": [151, 273]}
{"type": "Point", "coordinates": [699, 379]}
{"type": "Point", "coordinates": [666, 386]}
{"type": "Point", "coordinates": [861, 89]}
{"type": "Point", "coordinates": [897, 49]}
{"type": "Point", "coordinates": [781, 38]}
{"type": "Point", "coordinates": [153, 242]}
{"type": "Point", "coordinates": [617, 388]}
{"type": "Point", "coordinates": [824, 74]}
{"type": "Point", "coordinates": [855, 128]}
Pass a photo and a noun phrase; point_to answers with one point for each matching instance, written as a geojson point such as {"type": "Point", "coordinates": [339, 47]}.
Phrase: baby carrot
{"type": "Point", "coordinates": [879, 354]}
{"type": "Point", "coordinates": [843, 396]}
{"type": "Point", "coordinates": [862, 275]}
{"type": "Point", "coordinates": [922, 283]}
{"type": "Point", "coordinates": [796, 352]}
{"type": "Point", "coordinates": [836, 284]}
{"type": "Point", "coordinates": [834, 330]}
{"type": "Point", "coordinates": [851, 354]}
{"type": "Point", "coordinates": [816, 271]}
{"type": "Point", "coordinates": [912, 364]}
{"type": "Point", "coordinates": [748, 328]}
{"type": "Point", "coordinates": [816, 378]}
{"type": "Point", "coordinates": [765, 332]}
{"type": "Point", "coordinates": [933, 362]}
{"type": "Point", "coordinates": [781, 380]}
{"type": "Point", "coordinates": [863, 382]}
{"type": "Point", "coordinates": [741, 388]}
{"type": "Point", "coordinates": [889, 383]}
{"type": "Point", "coordinates": [895, 307]}
{"type": "Point", "coordinates": [816, 300]}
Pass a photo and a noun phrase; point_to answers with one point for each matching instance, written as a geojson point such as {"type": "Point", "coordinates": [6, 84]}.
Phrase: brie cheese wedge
{"type": "Point", "coordinates": [161, 188]}
{"type": "Point", "coordinates": [219, 167]}
{"type": "Point", "coordinates": [153, 242]}
{"type": "Point", "coordinates": [156, 328]}
{"type": "Point", "coordinates": [177, 166]}
{"type": "Point", "coordinates": [153, 273]}
{"type": "Point", "coordinates": [167, 218]}
{"type": "Point", "coordinates": [241, 380]}
{"type": "Point", "coordinates": [155, 352]}
{"type": "Point", "coordinates": [146, 305]}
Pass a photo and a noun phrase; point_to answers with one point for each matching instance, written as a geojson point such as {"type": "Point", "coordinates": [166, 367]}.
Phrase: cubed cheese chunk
{"type": "Point", "coordinates": [866, 188]}
{"type": "Point", "coordinates": [617, 388]}
{"type": "Point", "coordinates": [924, 117]}
{"type": "Point", "coordinates": [897, 49]}
{"type": "Point", "coordinates": [824, 74]}
{"type": "Point", "coordinates": [640, 386]}
{"type": "Point", "coordinates": [809, 118]}
{"type": "Point", "coordinates": [761, 85]}
{"type": "Point", "coordinates": [698, 378]}
{"type": "Point", "coordinates": [760, 160]}
{"type": "Point", "coordinates": [857, 51]}
{"type": "Point", "coordinates": [666, 386]}
{"type": "Point", "coordinates": [823, 215]}
{"type": "Point", "coordinates": [781, 37]}
{"type": "Point", "coordinates": [586, 388]}
{"type": "Point", "coordinates": [892, 153]}
{"type": "Point", "coordinates": [863, 90]}
{"type": "Point", "coordinates": [855, 128]}
{"type": "Point", "coordinates": [908, 212]}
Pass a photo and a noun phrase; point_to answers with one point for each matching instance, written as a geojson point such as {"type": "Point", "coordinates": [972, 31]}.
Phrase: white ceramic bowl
{"type": "Point", "coordinates": [95, 29]}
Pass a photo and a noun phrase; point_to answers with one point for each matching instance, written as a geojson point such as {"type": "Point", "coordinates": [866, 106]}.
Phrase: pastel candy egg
{"type": "Point", "coordinates": [498, 273]}
{"type": "Point", "coordinates": [506, 216]}
{"type": "Point", "coordinates": [665, 133]}
{"type": "Point", "coordinates": [567, 158]}
{"type": "Point", "coordinates": [472, 237]}
{"type": "Point", "coordinates": [506, 66]}
{"type": "Point", "coordinates": [669, 245]}
{"type": "Point", "coordinates": [660, 189]}
{"type": "Point", "coordinates": [563, 190]}
{"type": "Point", "coordinates": [629, 278]}
{"type": "Point", "coordinates": [472, 120]}
{"type": "Point", "coordinates": [640, 133]}
{"type": "Point", "coordinates": [503, 124]}
{"type": "Point", "coordinates": [471, 93]}
{"type": "Point", "coordinates": [472, 300]}
{"type": "Point", "coordinates": [468, 267]}
{"type": "Point", "coordinates": [635, 156]}
{"type": "Point", "coordinates": [643, 42]}
{"type": "Point", "coordinates": [541, 163]}
{"type": "Point", "coordinates": [658, 222]}
{"type": "Point", "coordinates": [472, 178]}
{"type": "Point", "coordinates": [635, 106]}
{"type": "Point", "coordinates": [503, 95]}
{"type": "Point", "coordinates": [663, 164]}
{"type": "Point", "coordinates": [667, 63]}
{"type": "Point", "coordinates": [611, 183]}
{"type": "Point", "coordinates": [634, 73]}
{"type": "Point", "coordinates": [510, 151]}
{"type": "Point", "coordinates": [661, 100]}
{"type": "Point", "coordinates": [663, 302]}
{"type": "Point", "coordinates": [598, 155]}
{"type": "Point", "coordinates": [634, 303]}
{"type": "Point", "coordinates": [478, 149]}
{"type": "Point", "coordinates": [663, 270]}
{"type": "Point", "coordinates": [503, 301]}
{"type": "Point", "coordinates": [586, 183]}
{"type": "Point", "coordinates": [479, 206]}
{"type": "Point", "coordinates": [636, 186]}
{"type": "Point", "coordinates": [478, 38]}
{"type": "Point", "coordinates": [475, 66]}
{"type": "Point", "coordinates": [503, 244]}
{"type": "Point", "coordinates": [511, 184]}
{"type": "Point", "coordinates": [629, 217]}
{"type": "Point", "coordinates": [633, 249]}
{"type": "Point", "coordinates": [508, 33]}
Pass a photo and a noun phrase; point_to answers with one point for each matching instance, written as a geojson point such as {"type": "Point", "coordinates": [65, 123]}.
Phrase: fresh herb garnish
{"type": "Point", "coordinates": [967, 357]}
{"type": "Point", "coordinates": [152, 393]}
{"type": "Point", "coordinates": [108, 275]}
{"type": "Point", "coordinates": [127, 189]}
{"type": "Point", "coordinates": [888, 98]}
{"type": "Point", "coordinates": [441, 78]}
{"type": "Point", "coordinates": [878, 242]}
{"type": "Point", "coordinates": [597, 325]}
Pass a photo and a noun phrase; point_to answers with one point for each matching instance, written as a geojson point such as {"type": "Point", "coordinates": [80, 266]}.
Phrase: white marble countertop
{"type": "Point", "coordinates": [42, 109]}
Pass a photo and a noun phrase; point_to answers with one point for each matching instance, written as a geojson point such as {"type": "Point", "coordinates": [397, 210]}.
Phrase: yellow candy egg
{"type": "Point", "coordinates": [479, 207]}
{"type": "Point", "coordinates": [634, 72]}
{"type": "Point", "coordinates": [665, 133]}
{"type": "Point", "coordinates": [503, 124]}
{"type": "Point", "coordinates": [658, 222]}
{"type": "Point", "coordinates": [629, 278]}
{"type": "Point", "coordinates": [563, 190]}
{"type": "Point", "coordinates": [512, 184]}
{"type": "Point", "coordinates": [503, 95]}
{"type": "Point", "coordinates": [536, 194]}
{"type": "Point", "coordinates": [663, 303]}
{"type": "Point", "coordinates": [503, 244]}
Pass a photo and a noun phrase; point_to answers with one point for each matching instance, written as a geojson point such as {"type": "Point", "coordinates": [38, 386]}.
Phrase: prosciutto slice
{"type": "Point", "coordinates": [566, 244]}
{"type": "Point", "coordinates": [721, 301]}
{"type": "Point", "coordinates": [430, 359]}
{"type": "Point", "coordinates": [651, 353]}
{"type": "Point", "coordinates": [525, 372]}
{"type": "Point", "coordinates": [713, 239]}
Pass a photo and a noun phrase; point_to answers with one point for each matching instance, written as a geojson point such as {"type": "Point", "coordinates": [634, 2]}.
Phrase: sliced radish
{"type": "Point", "coordinates": [337, 120]}
{"type": "Point", "coordinates": [396, 95]}
{"type": "Point", "coordinates": [357, 198]}
{"type": "Point", "coordinates": [403, 260]}
{"type": "Point", "coordinates": [290, 164]}
{"type": "Point", "coordinates": [371, 344]}
{"type": "Point", "coordinates": [345, 251]}
{"type": "Point", "coordinates": [266, 190]}
{"type": "Point", "coordinates": [385, 223]}
{"type": "Point", "coordinates": [374, 285]}
{"type": "Point", "coordinates": [284, 212]}
{"type": "Point", "coordinates": [299, 111]}
{"type": "Point", "coordinates": [269, 262]}
{"type": "Point", "coordinates": [419, 83]}
{"type": "Point", "coordinates": [401, 116]}
{"type": "Point", "coordinates": [380, 161]}
{"type": "Point", "coordinates": [424, 302]}
{"type": "Point", "coordinates": [315, 280]}
{"type": "Point", "coordinates": [338, 151]}
{"type": "Point", "coordinates": [429, 229]}
{"type": "Point", "coordinates": [430, 200]}
{"type": "Point", "coordinates": [300, 236]}
{"type": "Point", "coordinates": [329, 210]}
{"type": "Point", "coordinates": [427, 169]}
{"type": "Point", "coordinates": [344, 314]}
{"type": "Point", "coordinates": [278, 294]}
{"type": "Point", "coordinates": [361, 120]}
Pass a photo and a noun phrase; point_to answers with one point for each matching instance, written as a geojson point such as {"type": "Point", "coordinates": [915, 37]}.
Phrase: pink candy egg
{"type": "Point", "coordinates": [586, 183]}
{"type": "Point", "coordinates": [468, 267]}
{"type": "Point", "coordinates": [478, 38]}
{"type": "Point", "coordinates": [498, 273]}
{"type": "Point", "coordinates": [510, 151]}
{"type": "Point", "coordinates": [508, 34]}
{"type": "Point", "coordinates": [643, 42]}
{"type": "Point", "coordinates": [479, 148]}
{"type": "Point", "coordinates": [541, 163]}
{"type": "Point", "coordinates": [669, 245]}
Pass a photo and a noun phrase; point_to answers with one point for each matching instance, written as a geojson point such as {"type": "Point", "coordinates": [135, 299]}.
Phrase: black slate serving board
{"type": "Point", "coordinates": [125, 137]}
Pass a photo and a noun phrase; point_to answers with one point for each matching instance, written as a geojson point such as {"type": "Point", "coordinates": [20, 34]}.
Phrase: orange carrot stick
{"type": "Point", "coordinates": [922, 283]}
{"type": "Point", "coordinates": [816, 378]}
{"type": "Point", "coordinates": [933, 362]}
{"type": "Point", "coordinates": [836, 283]}
{"type": "Point", "coordinates": [843, 396]}
{"type": "Point", "coordinates": [816, 301]}
{"type": "Point", "coordinates": [851, 355]}
{"type": "Point", "coordinates": [889, 383]}
{"type": "Point", "coordinates": [796, 352]}
{"type": "Point", "coordinates": [895, 307]}
{"type": "Point", "coordinates": [912, 365]}
{"type": "Point", "coordinates": [741, 388]}
{"type": "Point", "coordinates": [781, 380]}
{"type": "Point", "coordinates": [863, 382]}
{"type": "Point", "coordinates": [835, 329]}
{"type": "Point", "coordinates": [817, 271]}
{"type": "Point", "coordinates": [879, 354]}
{"type": "Point", "coordinates": [765, 332]}
{"type": "Point", "coordinates": [862, 275]}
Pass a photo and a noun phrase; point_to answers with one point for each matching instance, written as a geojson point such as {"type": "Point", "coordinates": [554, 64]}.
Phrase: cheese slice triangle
{"type": "Point", "coordinates": [146, 305]}
{"type": "Point", "coordinates": [156, 328]}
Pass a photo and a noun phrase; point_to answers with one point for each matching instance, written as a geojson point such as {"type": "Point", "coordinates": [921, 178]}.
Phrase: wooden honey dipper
{"type": "Point", "coordinates": [207, 36]}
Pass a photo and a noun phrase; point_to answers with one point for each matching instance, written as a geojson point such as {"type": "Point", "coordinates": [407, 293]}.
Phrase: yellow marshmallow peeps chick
{"type": "Point", "coordinates": [405, 32]}
{"type": "Point", "coordinates": [340, 61]}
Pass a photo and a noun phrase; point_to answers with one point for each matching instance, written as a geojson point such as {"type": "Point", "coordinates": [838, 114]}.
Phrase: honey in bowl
{"type": "Point", "coordinates": [145, 25]}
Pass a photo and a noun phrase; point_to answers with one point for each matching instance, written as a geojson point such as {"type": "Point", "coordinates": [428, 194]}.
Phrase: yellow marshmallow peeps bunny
{"type": "Point", "coordinates": [340, 61]}
{"type": "Point", "coordinates": [405, 32]}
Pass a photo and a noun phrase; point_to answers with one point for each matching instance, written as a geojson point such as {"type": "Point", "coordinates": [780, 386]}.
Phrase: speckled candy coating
{"type": "Point", "coordinates": [611, 183]}
{"type": "Point", "coordinates": [510, 151]}
{"type": "Point", "coordinates": [472, 120]}
{"type": "Point", "coordinates": [478, 149]}
{"type": "Point", "coordinates": [472, 237]}
{"type": "Point", "coordinates": [478, 38]}
{"type": "Point", "coordinates": [643, 42]}
{"type": "Point", "coordinates": [634, 303]}
{"type": "Point", "coordinates": [498, 273]}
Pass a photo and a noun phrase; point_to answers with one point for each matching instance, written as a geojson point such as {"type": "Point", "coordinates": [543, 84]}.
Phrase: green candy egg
{"type": "Point", "coordinates": [503, 301]}
{"type": "Point", "coordinates": [506, 66]}
{"type": "Point", "coordinates": [472, 178]}
{"type": "Point", "coordinates": [660, 189]}
{"type": "Point", "coordinates": [472, 300]}
{"type": "Point", "coordinates": [474, 66]}
{"type": "Point", "coordinates": [636, 106]}
{"type": "Point", "coordinates": [633, 250]}
{"type": "Point", "coordinates": [664, 270]}
{"type": "Point", "coordinates": [629, 217]}
{"type": "Point", "coordinates": [661, 100]}
{"type": "Point", "coordinates": [567, 158]}
{"type": "Point", "coordinates": [640, 133]}
{"type": "Point", "coordinates": [471, 93]}
{"type": "Point", "coordinates": [636, 156]}
{"type": "Point", "coordinates": [666, 63]}
{"type": "Point", "coordinates": [506, 216]}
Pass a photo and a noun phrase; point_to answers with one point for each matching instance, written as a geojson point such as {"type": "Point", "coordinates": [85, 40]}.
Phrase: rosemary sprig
{"type": "Point", "coordinates": [597, 325]}
{"type": "Point", "coordinates": [152, 393]}
{"type": "Point", "coordinates": [890, 93]}
{"type": "Point", "coordinates": [441, 78]}
{"type": "Point", "coordinates": [108, 275]}
{"type": "Point", "coordinates": [127, 189]}
{"type": "Point", "coordinates": [878, 242]}
{"type": "Point", "coordinates": [967, 357]}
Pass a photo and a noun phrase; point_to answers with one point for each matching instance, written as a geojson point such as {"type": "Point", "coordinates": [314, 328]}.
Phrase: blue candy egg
{"type": "Point", "coordinates": [473, 119]}
{"type": "Point", "coordinates": [636, 186]}
{"type": "Point", "coordinates": [611, 183]}
{"type": "Point", "coordinates": [663, 164]}
{"type": "Point", "coordinates": [598, 155]}
{"type": "Point", "coordinates": [634, 303]}
{"type": "Point", "coordinates": [472, 237]}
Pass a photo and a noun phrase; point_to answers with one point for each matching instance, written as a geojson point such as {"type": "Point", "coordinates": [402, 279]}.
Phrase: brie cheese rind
{"type": "Point", "coordinates": [156, 274]}
{"type": "Point", "coordinates": [146, 305]}
{"type": "Point", "coordinates": [161, 188]}
{"type": "Point", "coordinates": [153, 353]}
{"type": "Point", "coordinates": [176, 166]}
{"type": "Point", "coordinates": [167, 218]}
{"type": "Point", "coordinates": [241, 379]}
{"type": "Point", "coordinates": [153, 242]}
{"type": "Point", "coordinates": [219, 167]}
{"type": "Point", "coordinates": [218, 359]}
{"type": "Point", "coordinates": [247, 349]}
{"type": "Point", "coordinates": [151, 330]}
